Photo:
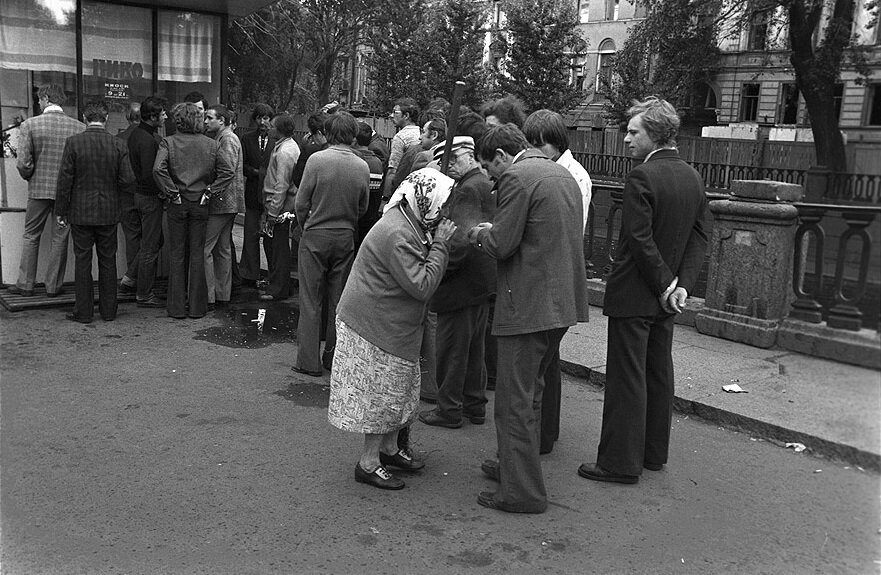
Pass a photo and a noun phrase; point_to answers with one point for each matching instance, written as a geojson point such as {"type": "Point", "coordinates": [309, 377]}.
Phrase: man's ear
{"type": "Point", "coordinates": [502, 155]}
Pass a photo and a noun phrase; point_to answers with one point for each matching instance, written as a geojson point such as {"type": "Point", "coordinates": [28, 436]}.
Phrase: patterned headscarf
{"type": "Point", "coordinates": [425, 190]}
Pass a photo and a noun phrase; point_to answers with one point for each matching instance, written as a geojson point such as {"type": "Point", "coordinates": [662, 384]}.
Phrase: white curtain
{"type": "Point", "coordinates": [186, 46]}
{"type": "Point", "coordinates": [38, 35]}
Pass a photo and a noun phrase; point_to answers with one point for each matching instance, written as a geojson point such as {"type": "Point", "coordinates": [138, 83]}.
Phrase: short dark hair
{"type": "Point", "coordinates": [316, 121]}
{"type": "Point", "coordinates": [151, 108]}
{"type": "Point", "coordinates": [95, 111]}
{"type": "Point", "coordinates": [341, 128]}
{"type": "Point", "coordinates": [188, 119]}
{"type": "Point", "coordinates": [410, 107]}
{"type": "Point", "coordinates": [440, 126]}
{"type": "Point", "coordinates": [508, 109]}
{"type": "Point", "coordinates": [507, 137]}
{"type": "Point", "coordinates": [133, 114]}
{"type": "Point", "coordinates": [365, 134]}
{"type": "Point", "coordinates": [546, 127]}
{"type": "Point", "coordinates": [284, 123]}
{"type": "Point", "coordinates": [261, 110]}
{"type": "Point", "coordinates": [470, 124]}
{"type": "Point", "coordinates": [659, 118]}
{"type": "Point", "coordinates": [195, 96]}
{"type": "Point", "coordinates": [54, 92]}
{"type": "Point", "coordinates": [223, 112]}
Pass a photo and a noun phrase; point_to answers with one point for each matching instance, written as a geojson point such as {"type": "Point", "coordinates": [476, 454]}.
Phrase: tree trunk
{"type": "Point", "coordinates": [819, 99]}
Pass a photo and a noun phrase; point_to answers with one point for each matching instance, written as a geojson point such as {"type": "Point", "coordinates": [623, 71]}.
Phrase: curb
{"type": "Point", "coordinates": [773, 433]}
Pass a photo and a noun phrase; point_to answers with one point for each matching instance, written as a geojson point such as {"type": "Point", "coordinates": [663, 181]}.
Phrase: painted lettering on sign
{"type": "Point", "coordinates": [117, 69]}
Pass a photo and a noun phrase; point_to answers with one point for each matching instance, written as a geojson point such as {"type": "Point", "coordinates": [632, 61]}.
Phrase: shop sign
{"type": "Point", "coordinates": [116, 69]}
{"type": "Point", "coordinates": [116, 91]}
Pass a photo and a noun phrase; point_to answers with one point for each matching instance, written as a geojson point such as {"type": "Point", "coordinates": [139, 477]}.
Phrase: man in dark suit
{"type": "Point", "coordinates": [660, 252]}
{"type": "Point", "coordinates": [536, 238]}
{"type": "Point", "coordinates": [256, 149]}
{"type": "Point", "coordinates": [95, 170]}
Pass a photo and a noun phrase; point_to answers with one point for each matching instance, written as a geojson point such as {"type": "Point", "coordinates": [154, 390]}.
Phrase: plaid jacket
{"type": "Point", "coordinates": [94, 170]}
{"type": "Point", "coordinates": [42, 142]}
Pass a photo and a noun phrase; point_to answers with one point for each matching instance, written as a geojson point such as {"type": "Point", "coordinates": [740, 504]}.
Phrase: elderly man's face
{"type": "Point", "coordinates": [459, 164]}
{"type": "Point", "coordinates": [637, 139]}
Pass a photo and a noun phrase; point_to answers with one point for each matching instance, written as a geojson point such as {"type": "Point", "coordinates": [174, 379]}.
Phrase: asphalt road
{"type": "Point", "coordinates": [151, 445]}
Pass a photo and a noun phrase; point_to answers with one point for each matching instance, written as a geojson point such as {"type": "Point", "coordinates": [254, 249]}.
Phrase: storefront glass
{"type": "Point", "coordinates": [189, 55]}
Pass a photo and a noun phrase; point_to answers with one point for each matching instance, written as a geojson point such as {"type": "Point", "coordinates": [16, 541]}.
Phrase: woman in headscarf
{"type": "Point", "coordinates": [374, 385]}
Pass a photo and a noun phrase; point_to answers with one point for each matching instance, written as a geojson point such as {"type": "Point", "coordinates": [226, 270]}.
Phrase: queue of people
{"type": "Point", "coordinates": [423, 285]}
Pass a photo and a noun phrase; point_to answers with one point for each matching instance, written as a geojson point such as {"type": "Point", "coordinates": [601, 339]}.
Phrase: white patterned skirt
{"type": "Point", "coordinates": [371, 391]}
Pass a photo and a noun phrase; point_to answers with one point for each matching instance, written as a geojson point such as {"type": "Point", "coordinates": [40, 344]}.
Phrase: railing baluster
{"type": "Point", "coordinates": [845, 314]}
{"type": "Point", "coordinates": [806, 307]}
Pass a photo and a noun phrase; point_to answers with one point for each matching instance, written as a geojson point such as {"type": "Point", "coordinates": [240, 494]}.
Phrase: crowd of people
{"type": "Point", "coordinates": [445, 265]}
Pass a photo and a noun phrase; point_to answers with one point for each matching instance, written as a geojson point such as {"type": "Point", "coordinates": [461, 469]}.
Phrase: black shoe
{"type": "Point", "coordinates": [433, 417]}
{"type": "Point", "coordinates": [307, 372]}
{"type": "Point", "coordinates": [653, 466]}
{"type": "Point", "coordinates": [487, 499]}
{"type": "Point", "coordinates": [76, 318]}
{"type": "Point", "coordinates": [14, 289]}
{"type": "Point", "coordinates": [401, 460]}
{"type": "Point", "coordinates": [476, 419]}
{"type": "Point", "coordinates": [151, 301]}
{"type": "Point", "coordinates": [596, 473]}
{"type": "Point", "coordinates": [379, 477]}
{"type": "Point", "coordinates": [127, 289]}
{"type": "Point", "coordinates": [490, 468]}
{"type": "Point", "coordinates": [428, 399]}
{"type": "Point", "coordinates": [327, 359]}
{"type": "Point", "coordinates": [221, 303]}
{"type": "Point", "coordinates": [55, 294]}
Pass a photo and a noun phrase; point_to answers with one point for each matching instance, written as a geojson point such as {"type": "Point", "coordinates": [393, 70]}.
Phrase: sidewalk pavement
{"type": "Point", "coordinates": [833, 409]}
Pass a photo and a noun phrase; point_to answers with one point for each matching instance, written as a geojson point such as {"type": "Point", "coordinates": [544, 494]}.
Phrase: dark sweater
{"type": "Point", "coordinates": [143, 143]}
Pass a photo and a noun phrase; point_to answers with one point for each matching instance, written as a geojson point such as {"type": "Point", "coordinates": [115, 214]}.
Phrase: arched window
{"type": "Point", "coordinates": [604, 64]}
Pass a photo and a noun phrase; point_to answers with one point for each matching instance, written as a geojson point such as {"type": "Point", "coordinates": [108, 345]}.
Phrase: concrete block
{"type": "Point", "coordinates": [767, 190]}
{"type": "Point", "coordinates": [819, 340]}
{"type": "Point", "coordinates": [737, 327]}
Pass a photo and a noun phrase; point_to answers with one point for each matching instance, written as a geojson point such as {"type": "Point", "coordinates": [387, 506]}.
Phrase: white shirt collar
{"type": "Point", "coordinates": [53, 108]}
{"type": "Point", "coordinates": [520, 153]}
{"type": "Point", "coordinates": [652, 153]}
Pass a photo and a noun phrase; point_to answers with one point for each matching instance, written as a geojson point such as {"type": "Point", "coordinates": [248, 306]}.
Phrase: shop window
{"type": "Point", "coordinates": [787, 113]}
{"type": "Point", "coordinates": [873, 106]}
{"type": "Point", "coordinates": [749, 102]}
{"type": "Point", "coordinates": [117, 57]}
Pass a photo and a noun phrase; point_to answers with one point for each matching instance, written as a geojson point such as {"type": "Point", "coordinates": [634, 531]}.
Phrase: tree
{"type": "Point", "coordinates": [671, 53]}
{"type": "Point", "coordinates": [539, 42]}
{"type": "Point", "coordinates": [422, 61]}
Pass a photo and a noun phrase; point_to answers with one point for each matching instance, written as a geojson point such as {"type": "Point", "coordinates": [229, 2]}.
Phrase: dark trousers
{"type": "Point", "coordinates": [325, 259]}
{"type": "Point", "coordinates": [130, 222]}
{"type": "Point", "coordinates": [150, 213]}
{"type": "Point", "coordinates": [187, 223]}
{"type": "Point", "coordinates": [523, 360]}
{"type": "Point", "coordinates": [638, 402]}
{"type": "Point", "coordinates": [550, 404]}
{"type": "Point", "coordinates": [490, 347]}
{"type": "Point", "coordinates": [249, 266]}
{"type": "Point", "coordinates": [103, 238]}
{"type": "Point", "coordinates": [461, 375]}
{"type": "Point", "coordinates": [280, 261]}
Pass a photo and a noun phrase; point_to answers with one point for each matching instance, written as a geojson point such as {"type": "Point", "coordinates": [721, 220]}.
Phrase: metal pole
{"type": "Point", "coordinates": [452, 124]}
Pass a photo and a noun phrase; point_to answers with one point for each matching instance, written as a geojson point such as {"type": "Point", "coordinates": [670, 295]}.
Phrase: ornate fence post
{"type": "Point", "coordinates": [845, 314]}
{"type": "Point", "coordinates": [806, 307]}
{"type": "Point", "coordinates": [613, 219]}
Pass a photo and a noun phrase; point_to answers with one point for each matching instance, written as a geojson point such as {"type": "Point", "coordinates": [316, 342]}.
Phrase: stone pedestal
{"type": "Point", "coordinates": [751, 256]}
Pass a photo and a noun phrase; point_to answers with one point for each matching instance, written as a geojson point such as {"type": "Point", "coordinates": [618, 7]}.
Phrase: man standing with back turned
{"type": "Point", "coordinates": [659, 257]}
{"type": "Point", "coordinates": [42, 142]}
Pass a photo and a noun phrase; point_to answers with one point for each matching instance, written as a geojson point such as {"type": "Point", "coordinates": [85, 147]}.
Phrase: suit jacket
{"type": "Point", "coordinates": [231, 199]}
{"type": "Point", "coordinates": [537, 239]}
{"type": "Point", "coordinates": [470, 278]}
{"type": "Point", "coordinates": [661, 236]}
{"type": "Point", "coordinates": [94, 170]}
{"type": "Point", "coordinates": [254, 164]}
{"type": "Point", "coordinates": [41, 145]}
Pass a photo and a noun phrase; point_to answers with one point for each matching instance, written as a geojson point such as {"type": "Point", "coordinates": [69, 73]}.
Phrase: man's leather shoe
{"type": "Point", "coordinates": [596, 473]}
{"type": "Point", "coordinates": [55, 294]}
{"type": "Point", "coordinates": [476, 419]}
{"type": "Point", "coordinates": [379, 477]}
{"type": "Point", "coordinates": [401, 460]}
{"type": "Point", "coordinates": [127, 289]}
{"type": "Point", "coordinates": [307, 372]}
{"type": "Point", "coordinates": [74, 317]}
{"type": "Point", "coordinates": [433, 417]}
{"type": "Point", "coordinates": [487, 499]}
{"type": "Point", "coordinates": [14, 289]}
{"type": "Point", "coordinates": [490, 468]}
{"type": "Point", "coordinates": [653, 466]}
{"type": "Point", "coordinates": [151, 301]}
{"type": "Point", "coordinates": [327, 359]}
